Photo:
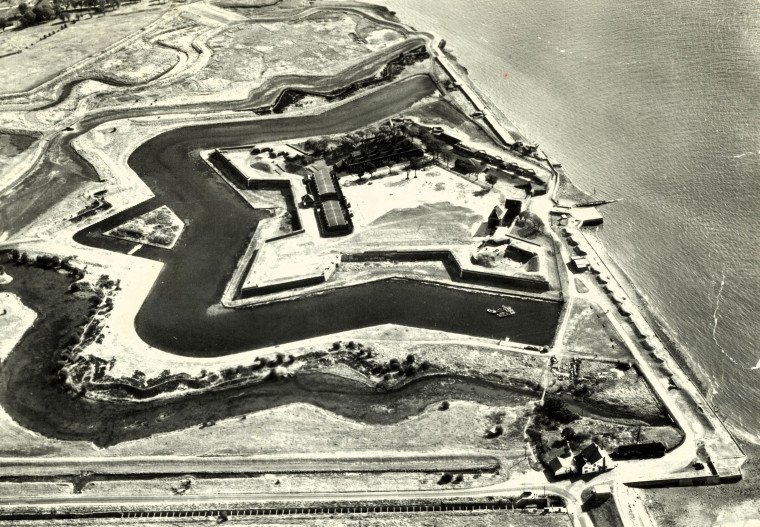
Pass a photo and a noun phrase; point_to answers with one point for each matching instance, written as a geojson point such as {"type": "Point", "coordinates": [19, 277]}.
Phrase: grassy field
{"type": "Point", "coordinates": [305, 428]}
{"type": "Point", "coordinates": [46, 58]}
{"type": "Point", "coordinates": [12, 146]}
{"type": "Point", "coordinates": [606, 514]}
{"type": "Point", "coordinates": [246, 54]}
{"type": "Point", "coordinates": [590, 333]}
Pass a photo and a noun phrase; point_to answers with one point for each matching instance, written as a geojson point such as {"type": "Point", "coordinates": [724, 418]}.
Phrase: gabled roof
{"type": "Point", "coordinates": [560, 462]}
{"type": "Point", "coordinates": [592, 453]}
{"type": "Point", "coordinates": [333, 214]}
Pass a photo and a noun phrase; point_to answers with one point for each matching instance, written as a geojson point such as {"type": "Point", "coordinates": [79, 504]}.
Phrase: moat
{"type": "Point", "coordinates": [175, 315]}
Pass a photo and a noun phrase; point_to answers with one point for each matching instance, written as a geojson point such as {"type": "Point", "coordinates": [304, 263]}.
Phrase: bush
{"type": "Point", "coordinates": [556, 409]}
{"type": "Point", "coordinates": [446, 478]}
{"type": "Point", "coordinates": [410, 358]}
{"type": "Point", "coordinates": [444, 406]}
{"type": "Point", "coordinates": [579, 390]}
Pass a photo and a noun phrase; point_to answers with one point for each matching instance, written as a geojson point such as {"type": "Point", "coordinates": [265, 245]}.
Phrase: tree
{"type": "Point", "coordinates": [28, 19]}
{"type": "Point", "coordinates": [529, 224]}
{"type": "Point", "coordinates": [568, 433]}
{"type": "Point", "coordinates": [417, 163]}
{"type": "Point", "coordinates": [491, 179]}
{"type": "Point", "coordinates": [44, 11]}
{"type": "Point", "coordinates": [369, 167]}
{"type": "Point", "coordinates": [557, 410]}
{"type": "Point", "coordinates": [446, 478]}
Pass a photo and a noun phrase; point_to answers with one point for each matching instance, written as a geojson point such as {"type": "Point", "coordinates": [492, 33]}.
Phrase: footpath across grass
{"type": "Point", "coordinates": [47, 58]}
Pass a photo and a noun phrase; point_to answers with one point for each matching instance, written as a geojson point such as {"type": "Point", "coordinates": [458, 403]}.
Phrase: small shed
{"type": "Point", "coordinates": [602, 490]}
{"type": "Point", "coordinates": [580, 263]}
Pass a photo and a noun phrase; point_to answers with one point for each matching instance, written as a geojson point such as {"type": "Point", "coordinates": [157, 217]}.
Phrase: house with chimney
{"type": "Point", "coordinates": [593, 459]}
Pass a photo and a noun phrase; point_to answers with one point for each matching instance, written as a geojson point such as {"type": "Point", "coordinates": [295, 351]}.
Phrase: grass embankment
{"type": "Point", "coordinates": [567, 192]}
{"type": "Point", "coordinates": [604, 402]}
{"type": "Point", "coordinates": [590, 333]}
{"type": "Point", "coordinates": [609, 389]}
{"type": "Point", "coordinates": [159, 227]}
{"type": "Point", "coordinates": [29, 372]}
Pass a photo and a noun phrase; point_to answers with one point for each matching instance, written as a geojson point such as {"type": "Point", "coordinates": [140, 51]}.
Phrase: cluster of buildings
{"type": "Point", "coordinates": [379, 151]}
{"type": "Point", "coordinates": [592, 459]}
{"type": "Point", "coordinates": [470, 161]}
{"type": "Point", "coordinates": [504, 216]}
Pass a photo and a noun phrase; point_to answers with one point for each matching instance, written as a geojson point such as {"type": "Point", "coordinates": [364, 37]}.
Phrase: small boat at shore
{"type": "Point", "coordinates": [502, 311]}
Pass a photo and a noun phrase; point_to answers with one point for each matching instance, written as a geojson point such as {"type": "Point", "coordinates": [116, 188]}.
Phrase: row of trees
{"type": "Point", "coordinates": [46, 11]}
{"type": "Point", "coordinates": [42, 12]}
